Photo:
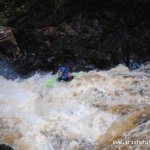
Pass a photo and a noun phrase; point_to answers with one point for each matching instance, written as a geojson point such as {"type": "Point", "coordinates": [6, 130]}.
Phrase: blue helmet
{"type": "Point", "coordinates": [62, 69]}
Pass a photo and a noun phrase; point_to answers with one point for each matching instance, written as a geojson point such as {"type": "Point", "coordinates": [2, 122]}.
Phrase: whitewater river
{"type": "Point", "coordinates": [88, 113]}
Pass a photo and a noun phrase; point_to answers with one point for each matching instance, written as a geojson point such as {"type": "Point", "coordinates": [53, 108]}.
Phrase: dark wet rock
{"type": "Point", "coordinates": [7, 71]}
{"type": "Point", "coordinates": [8, 44]}
{"type": "Point", "coordinates": [82, 34]}
{"type": "Point", "coordinates": [5, 147]}
{"type": "Point", "coordinates": [134, 62]}
{"type": "Point", "coordinates": [145, 67]}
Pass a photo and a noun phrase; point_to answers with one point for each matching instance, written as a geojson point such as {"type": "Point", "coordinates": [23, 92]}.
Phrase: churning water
{"type": "Point", "coordinates": [88, 113]}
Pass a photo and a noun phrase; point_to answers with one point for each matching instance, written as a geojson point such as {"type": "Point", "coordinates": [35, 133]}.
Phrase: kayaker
{"type": "Point", "coordinates": [64, 74]}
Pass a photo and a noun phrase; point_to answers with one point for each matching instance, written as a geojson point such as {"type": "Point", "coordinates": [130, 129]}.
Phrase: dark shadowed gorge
{"type": "Point", "coordinates": [84, 35]}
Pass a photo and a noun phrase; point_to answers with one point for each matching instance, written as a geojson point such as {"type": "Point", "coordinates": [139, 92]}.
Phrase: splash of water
{"type": "Point", "coordinates": [77, 115]}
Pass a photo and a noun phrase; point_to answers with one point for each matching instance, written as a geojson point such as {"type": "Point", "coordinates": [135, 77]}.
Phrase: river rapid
{"type": "Point", "coordinates": [88, 113]}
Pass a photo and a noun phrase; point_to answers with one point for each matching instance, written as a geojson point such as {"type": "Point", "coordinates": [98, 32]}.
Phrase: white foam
{"type": "Point", "coordinates": [66, 116]}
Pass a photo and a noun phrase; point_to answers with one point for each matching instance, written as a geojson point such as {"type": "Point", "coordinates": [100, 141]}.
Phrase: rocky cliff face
{"type": "Point", "coordinates": [84, 34]}
{"type": "Point", "coordinates": [8, 44]}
